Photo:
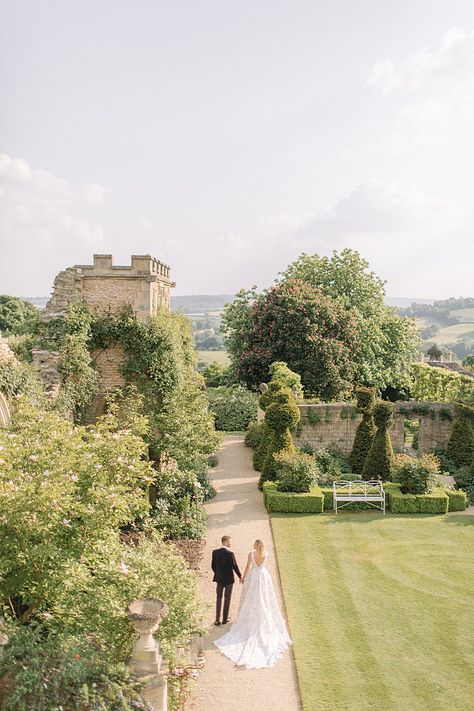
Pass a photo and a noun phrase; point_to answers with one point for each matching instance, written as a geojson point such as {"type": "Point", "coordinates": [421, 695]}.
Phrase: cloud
{"type": "Point", "coordinates": [43, 224]}
{"type": "Point", "coordinates": [453, 58]}
{"type": "Point", "coordinates": [436, 87]}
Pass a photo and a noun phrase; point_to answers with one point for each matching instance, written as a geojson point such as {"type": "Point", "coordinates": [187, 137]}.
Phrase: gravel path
{"type": "Point", "coordinates": [238, 510]}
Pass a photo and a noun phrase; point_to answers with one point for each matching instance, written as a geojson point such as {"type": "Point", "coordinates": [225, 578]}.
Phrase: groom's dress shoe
{"type": "Point", "coordinates": [224, 622]}
{"type": "Point", "coordinates": [217, 623]}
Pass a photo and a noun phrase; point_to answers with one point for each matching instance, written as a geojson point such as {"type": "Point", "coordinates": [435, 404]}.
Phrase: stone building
{"type": "Point", "coordinates": [144, 285]}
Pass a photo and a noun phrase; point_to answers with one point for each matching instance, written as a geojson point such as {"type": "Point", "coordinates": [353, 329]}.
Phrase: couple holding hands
{"type": "Point", "coordinates": [258, 637]}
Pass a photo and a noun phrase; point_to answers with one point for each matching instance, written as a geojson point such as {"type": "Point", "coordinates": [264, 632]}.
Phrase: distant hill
{"type": "Point", "coordinates": [199, 303]}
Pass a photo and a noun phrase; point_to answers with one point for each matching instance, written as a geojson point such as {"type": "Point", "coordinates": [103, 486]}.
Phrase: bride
{"type": "Point", "coordinates": [258, 637]}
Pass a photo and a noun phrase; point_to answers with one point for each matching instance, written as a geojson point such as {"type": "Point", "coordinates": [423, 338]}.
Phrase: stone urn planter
{"type": "Point", "coordinates": [146, 663]}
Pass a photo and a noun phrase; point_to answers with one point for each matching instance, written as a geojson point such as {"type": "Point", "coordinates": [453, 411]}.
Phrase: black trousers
{"type": "Point", "coordinates": [225, 590]}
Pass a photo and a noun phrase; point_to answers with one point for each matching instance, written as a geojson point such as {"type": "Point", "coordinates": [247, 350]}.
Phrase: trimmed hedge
{"type": "Point", "coordinates": [278, 501]}
{"type": "Point", "coordinates": [435, 503]}
{"type": "Point", "coordinates": [457, 499]}
{"type": "Point", "coordinates": [355, 506]}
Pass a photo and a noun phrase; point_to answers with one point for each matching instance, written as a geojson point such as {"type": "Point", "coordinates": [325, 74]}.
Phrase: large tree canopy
{"type": "Point", "coordinates": [379, 345]}
{"type": "Point", "coordinates": [16, 315]}
{"type": "Point", "coordinates": [296, 323]}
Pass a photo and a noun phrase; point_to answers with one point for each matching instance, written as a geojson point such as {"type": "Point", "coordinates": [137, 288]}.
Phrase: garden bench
{"type": "Point", "coordinates": [349, 492]}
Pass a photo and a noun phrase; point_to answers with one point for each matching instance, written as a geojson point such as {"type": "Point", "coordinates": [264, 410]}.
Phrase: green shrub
{"type": "Point", "coordinates": [277, 501]}
{"type": "Point", "coordinates": [295, 472]}
{"type": "Point", "coordinates": [280, 373]}
{"type": "Point", "coordinates": [280, 418]}
{"type": "Point", "coordinates": [379, 461]}
{"type": "Point", "coordinates": [254, 434]}
{"type": "Point", "coordinates": [260, 451]}
{"type": "Point", "coordinates": [216, 375]}
{"type": "Point", "coordinates": [274, 393]}
{"type": "Point", "coordinates": [416, 475]}
{"type": "Point", "coordinates": [365, 432]}
{"type": "Point", "coordinates": [446, 464]}
{"type": "Point", "coordinates": [457, 499]}
{"type": "Point", "coordinates": [234, 408]}
{"type": "Point", "coordinates": [464, 479]}
{"type": "Point", "coordinates": [48, 672]}
{"type": "Point", "coordinates": [332, 464]}
{"type": "Point", "coordinates": [461, 443]}
{"type": "Point", "coordinates": [436, 502]}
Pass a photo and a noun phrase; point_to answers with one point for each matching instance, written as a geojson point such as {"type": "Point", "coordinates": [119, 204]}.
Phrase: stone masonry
{"type": "Point", "coordinates": [335, 425]}
{"type": "Point", "coordinates": [144, 285]}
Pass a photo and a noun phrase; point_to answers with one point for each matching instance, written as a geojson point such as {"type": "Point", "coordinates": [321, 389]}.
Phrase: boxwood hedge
{"type": "Point", "coordinates": [286, 502]}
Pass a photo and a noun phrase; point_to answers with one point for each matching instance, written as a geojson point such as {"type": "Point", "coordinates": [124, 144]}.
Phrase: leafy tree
{"type": "Point", "coordinates": [280, 372]}
{"type": "Point", "coordinates": [215, 375]}
{"type": "Point", "coordinates": [234, 408]}
{"type": "Point", "coordinates": [313, 334]}
{"type": "Point", "coordinates": [366, 430]}
{"type": "Point", "coordinates": [16, 315]}
{"type": "Point", "coordinates": [236, 323]}
{"type": "Point", "coordinates": [385, 344]}
{"type": "Point", "coordinates": [380, 458]}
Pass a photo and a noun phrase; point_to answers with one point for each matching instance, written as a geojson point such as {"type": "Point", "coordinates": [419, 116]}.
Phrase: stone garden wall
{"type": "Point", "coordinates": [335, 425]}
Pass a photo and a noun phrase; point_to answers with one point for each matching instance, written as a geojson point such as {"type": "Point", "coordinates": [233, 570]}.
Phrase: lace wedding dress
{"type": "Point", "coordinates": [258, 637]}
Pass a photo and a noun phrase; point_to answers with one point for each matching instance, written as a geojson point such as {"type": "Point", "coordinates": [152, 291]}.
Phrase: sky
{"type": "Point", "coordinates": [226, 138]}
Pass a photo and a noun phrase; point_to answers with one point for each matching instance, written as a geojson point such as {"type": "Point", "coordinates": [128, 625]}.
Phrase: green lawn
{"type": "Point", "coordinates": [381, 609]}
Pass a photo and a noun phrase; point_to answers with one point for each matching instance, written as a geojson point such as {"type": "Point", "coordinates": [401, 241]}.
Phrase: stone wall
{"type": "Point", "coordinates": [144, 285]}
{"type": "Point", "coordinates": [46, 363]}
{"type": "Point", "coordinates": [335, 425]}
{"type": "Point", "coordinates": [108, 363]}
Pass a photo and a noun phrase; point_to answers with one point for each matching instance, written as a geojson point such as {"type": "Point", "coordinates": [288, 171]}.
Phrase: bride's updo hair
{"type": "Point", "coordinates": [259, 545]}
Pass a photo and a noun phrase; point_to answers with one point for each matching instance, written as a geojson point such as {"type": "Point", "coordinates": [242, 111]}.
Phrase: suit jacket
{"type": "Point", "coordinates": [224, 565]}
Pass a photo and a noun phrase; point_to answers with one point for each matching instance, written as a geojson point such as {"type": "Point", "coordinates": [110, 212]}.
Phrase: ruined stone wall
{"type": "Point", "coordinates": [335, 425]}
{"type": "Point", "coordinates": [108, 363]}
{"type": "Point", "coordinates": [46, 363]}
{"type": "Point", "coordinates": [144, 285]}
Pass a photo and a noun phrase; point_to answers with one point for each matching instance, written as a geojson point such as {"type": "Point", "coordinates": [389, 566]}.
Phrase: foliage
{"type": "Point", "coordinates": [280, 373]}
{"type": "Point", "coordinates": [440, 385]}
{"type": "Point", "coordinates": [22, 345]}
{"type": "Point", "coordinates": [313, 334]}
{"type": "Point", "coordinates": [384, 343]}
{"type": "Point", "coordinates": [460, 447]}
{"type": "Point", "coordinates": [254, 434]}
{"type": "Point", "coordinates": [436, 502]}
{"type": "Point", "coordinates": [73, 673]}
{"type": "Point", "coordinates": [379, 461]}
{"type": "Point", "coordinates": [177, 503]}
{"type": "Point", "coordinates": [295, 471]}
{"type": "Point", "coordinates": [17, 316]}
{"type": "Point", "coordinates": [65, 492]}
{"type": "Point", "coordinates": [234, 408]}
{"type": "Point", "coordinates": [416, 475]}
{"type": "Point", "coordinates": [216, 375]}
{"type": "Point", "coordinates": [237, 323]}
{"type": "Point", "coordinates": [275, 393]}
{"type": "Point", "coordinates": [290, 502]}
{"type": "Point", "coordinates": [80, 381]}
{"type": "Point", "coordinates": [17, 378]}
{"type": "Point", "coordinates": [464, 479]}
{"type": "Point", "coordinates": [365, 432]}
{"type": "Point", "coordinates": [457, 500]}
{"type": "Point", "coordinates": [331, 463]}
{"type": "Point", "coordinates": [280, 419]}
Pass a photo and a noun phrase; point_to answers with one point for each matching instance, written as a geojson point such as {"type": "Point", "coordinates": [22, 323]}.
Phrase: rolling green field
{"type": "Point", "coordinates": [207, 357]}
{"type": "Point", "coordinates": [380, 609]}
{"type": "Point", "coordinates": [451, 334]}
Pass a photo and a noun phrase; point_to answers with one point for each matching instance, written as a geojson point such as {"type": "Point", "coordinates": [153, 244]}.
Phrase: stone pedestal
{"type": "Point", "coordinates": [146, 663]}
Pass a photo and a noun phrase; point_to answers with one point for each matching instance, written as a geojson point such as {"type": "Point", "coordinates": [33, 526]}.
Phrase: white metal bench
{"type": "Point", "coordinates": [348, 492]}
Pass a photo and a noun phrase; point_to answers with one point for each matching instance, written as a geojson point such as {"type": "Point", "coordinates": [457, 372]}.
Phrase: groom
{"type": "Point", "coordinates": [223, 565]}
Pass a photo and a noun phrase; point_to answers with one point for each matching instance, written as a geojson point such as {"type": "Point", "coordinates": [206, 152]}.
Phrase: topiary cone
{"type": "Point", "coordinates": [379, 461]}
{"type": "Point", "coordinates": [366, 430]}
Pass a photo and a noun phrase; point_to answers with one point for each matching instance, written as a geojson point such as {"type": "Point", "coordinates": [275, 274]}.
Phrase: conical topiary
{"type": "Point", "coordinates": [379, 461]}
{"type": "Point", "coordinates": [460, 447]}
{"type": "Point", "coordinates": [366, 430]}
{"type": "Point", "coordinates": [280, 418]}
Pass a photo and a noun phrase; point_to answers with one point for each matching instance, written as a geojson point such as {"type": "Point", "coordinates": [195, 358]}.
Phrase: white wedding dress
{"type": "Point", "coordinates": [258, 637]}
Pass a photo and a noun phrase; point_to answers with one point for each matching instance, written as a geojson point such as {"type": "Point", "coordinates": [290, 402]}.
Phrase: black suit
{"type": "Point", "coordinates": [224, 565]}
